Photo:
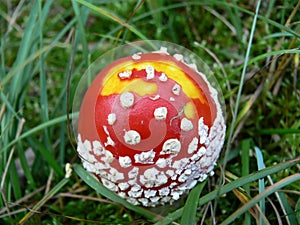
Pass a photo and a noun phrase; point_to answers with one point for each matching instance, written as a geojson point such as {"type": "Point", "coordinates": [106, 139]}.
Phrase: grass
{"type": "Point", "coordinates": [253, 49]}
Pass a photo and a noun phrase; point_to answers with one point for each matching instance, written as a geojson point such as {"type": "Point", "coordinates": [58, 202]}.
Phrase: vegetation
{"type": "Point", "coordinates": [253, 49]}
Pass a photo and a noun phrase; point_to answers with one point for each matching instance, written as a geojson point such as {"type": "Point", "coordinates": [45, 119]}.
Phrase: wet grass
{"type": "Point", "coordinates": [253, 49]}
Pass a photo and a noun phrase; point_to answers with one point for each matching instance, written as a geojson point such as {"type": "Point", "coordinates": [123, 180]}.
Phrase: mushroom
{"type": "Point", "coordinates": [150, 127]}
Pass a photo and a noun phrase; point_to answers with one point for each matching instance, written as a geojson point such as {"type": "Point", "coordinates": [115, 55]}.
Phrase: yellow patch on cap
{"type": "Point", "coordinates": [189, 110]}
{"type": "Point", "coordinates": [112, 84]}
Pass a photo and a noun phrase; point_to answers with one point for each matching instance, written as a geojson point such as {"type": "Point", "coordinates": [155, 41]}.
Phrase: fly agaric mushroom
{"type": "Point", "coordinates": [150, 127]}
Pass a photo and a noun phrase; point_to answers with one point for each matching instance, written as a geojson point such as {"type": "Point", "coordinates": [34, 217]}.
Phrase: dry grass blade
{"type": "Point", "coordinates": [246, 111]}
{"type": "Point", "coordinates": [22, 200]}
{"type": "Point", "coordinates": [255, 211]}
{"type": "Point", "coordinates": [239, 94]}
{"type": "Point", "coordinates": [101, 189]}
{"type": "Point", "coordinates": [46, 197]}
{"type": "Point", "coordinates": [139, 5]}
{"type": "Point", "coordinates": [112, 17]}
{"type": "Point", "coordinates": [96, 199]}
{"type": "Point", "coordinates": [276, 211]}
{"type": "Point", "coordinates": [254, 53]}
{"type": "Point", "coordinates": [9, 161]}
{"type": "Point", "coordinates": [269, 190]}
{"type": "Point", "coordinates": [276, 71]}
{"type": "Point", "coordinates": [21, 66]}
{"type": "Point", "coordinates": [244, 199]}
{"type": "Point", "coordinates": [223, 19]}
{"type": "Point", "coordinates": [234, 185]}
{"type": "Point", "coordinates": [2, 111]}
{"type": "Point", "coordinates": [12, 20]}
{"type": "Point", "coordinates": [296, 68]}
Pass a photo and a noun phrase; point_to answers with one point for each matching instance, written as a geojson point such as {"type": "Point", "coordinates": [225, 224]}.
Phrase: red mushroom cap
{"type": "Point", "coordinates": [150, 127]}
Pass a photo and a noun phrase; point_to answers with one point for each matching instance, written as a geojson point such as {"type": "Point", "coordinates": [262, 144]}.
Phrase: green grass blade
{"type": "Point", "coordinates": [43, 82]}
{"type": "Point", "coordinates": [279, 131]}
{"type": "Point", "coordinates": [261, 182]}
{"type": "Point", "coordinates": [45, 11]}
{"type": "Point", "coordinates": [44, 41]}
{"type": "Point", "coordinates": [9, 106]}
{"type": "Point", "coordinates": [260, 17]}
{"type": "Point", "coordinates": [81, 31]}
{"type": "Point", "coordinates": [231, 186]}
{"type": "Point", "coordinates": [14, 181]}
{"type": "Point", "coordinates": [191, 205]}
{"type": "Point", "coordinates": [245, 172]}
{"type": "Point", "coordinates": [113, 17]}
{"type": "Point", "coordinates": [233, 14]}
{"type": "Point", "coordinates": [289, 213]}
{"type": "Point", "coordinates": [285, 205]}
{"type": "Point", "coordinates": [18, 68]}
{"type": "Point", "coordinates": [280, 26]}
{"type": "Point", "coordinates": [38, 128]}
{"type": "Point", "coordinates": [246, 161]}
{"type": "Point", "coordinates": [46, 197]}
{"type": "Point", "coordinates": [25, 167]}
{"type": "Point", "coordinates": [269, 190]}
{"type": "Point", "coordinates": [241, 85]}
{"type": "Point", "coordinates": [24, 50]}
{"type": "Point", "coordinates": [297, 210]}
{"type": "Point", "coordinates": [265, 19]}
{"type": "Point", "coordinates": [46, 153]}
{"type": "Point", "coordinates": [91, 181]}
{"type": "Point", "coordinates": [268, 54]}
